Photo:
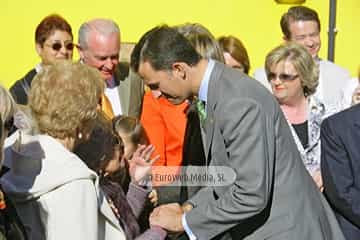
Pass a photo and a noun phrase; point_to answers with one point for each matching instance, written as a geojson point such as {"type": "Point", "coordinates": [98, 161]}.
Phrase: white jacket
{"type": "Point", "coordinates": [55, 193]}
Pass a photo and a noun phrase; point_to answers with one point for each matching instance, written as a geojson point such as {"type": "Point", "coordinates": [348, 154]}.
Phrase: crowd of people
{"type": "Point", "coordinates": [81, 141]}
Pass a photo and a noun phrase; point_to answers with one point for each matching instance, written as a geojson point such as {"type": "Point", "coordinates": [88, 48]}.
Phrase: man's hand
{"type": "Point", "coordinates": [187, 207]}
{"type": "Point", "coordinates": [168, 217]}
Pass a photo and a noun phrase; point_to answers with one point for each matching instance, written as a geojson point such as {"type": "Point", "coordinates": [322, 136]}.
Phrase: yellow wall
{"type": "Point", "coordinates": [256, 22]}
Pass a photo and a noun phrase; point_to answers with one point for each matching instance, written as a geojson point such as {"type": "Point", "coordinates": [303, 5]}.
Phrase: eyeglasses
{"type": "Point", "coordinates": [282, 76]}
{"type": "Point", "coordinates": [8, 124]}
{"type": "Point", "coordinates": [56, 46]}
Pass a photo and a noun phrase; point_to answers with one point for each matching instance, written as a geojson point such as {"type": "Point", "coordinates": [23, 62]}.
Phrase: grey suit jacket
{"type": "Point", "coordinates": [273, 196]}
{"type": "Point", "coordinates": [131, 90]}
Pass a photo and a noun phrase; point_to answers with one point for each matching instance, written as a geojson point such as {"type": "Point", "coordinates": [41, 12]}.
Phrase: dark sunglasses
{"type": "Point", "coordinates": [56, 46]}
{"type": "Point", "coordinates": [8, 125]}
{"type": "Point", "coordinates": [282, 76]}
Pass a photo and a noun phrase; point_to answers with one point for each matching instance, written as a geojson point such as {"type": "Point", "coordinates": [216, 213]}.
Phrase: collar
{"type": "Point", "coordinates": [111, 82]}
{"type": "Point", "coordinates": [317, 59]}
{"type": "Point", "coordinates": [38, 67]}
{"type": "Point", "coordinates": [204, 85]}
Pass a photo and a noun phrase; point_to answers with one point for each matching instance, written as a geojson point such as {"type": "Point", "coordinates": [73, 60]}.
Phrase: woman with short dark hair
{"type": "Point", "coordinates": [53, 42]}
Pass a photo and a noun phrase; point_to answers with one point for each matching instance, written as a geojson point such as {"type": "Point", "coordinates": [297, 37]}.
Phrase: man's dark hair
{"type": "Point", "coordinates": [297, 13]}
{"type": "Point", "coordinates": [161, 47]}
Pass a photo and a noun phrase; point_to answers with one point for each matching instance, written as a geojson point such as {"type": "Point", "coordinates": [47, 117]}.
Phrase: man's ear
{"type": "Point", "coordinates": [179, 69]}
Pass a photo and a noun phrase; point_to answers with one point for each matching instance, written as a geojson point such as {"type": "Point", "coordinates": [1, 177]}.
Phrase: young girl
{"type": "Point", "coordinates": [131, 132]}
{"type": "Point", "coordinates": [104, 153]}
{"type": "Point", "coordinates": [133, 135]}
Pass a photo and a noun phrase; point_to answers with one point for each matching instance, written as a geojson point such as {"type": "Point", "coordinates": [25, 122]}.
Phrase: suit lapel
{"type": "Point", "coordinates": [356, 115]}
{"type": "Point", "coordinates": [124, 93]}
{"type": "Point", "coordinates": [211, 104]}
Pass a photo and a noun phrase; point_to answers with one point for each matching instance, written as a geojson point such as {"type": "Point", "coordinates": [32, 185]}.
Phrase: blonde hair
{"type": "Point", "coordinates": [8, 106]}
{"type": "Point", "coordinates": [302, 61]}
{"type": "Point", "coordinates": [202, 40]}
{"type": "Point", "coordinates": [64, 97]}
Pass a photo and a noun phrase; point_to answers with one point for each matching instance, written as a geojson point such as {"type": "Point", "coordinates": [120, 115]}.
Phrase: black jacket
{"type": "Point", "coordinates": [11, 227]}
{"type": "Point", "coordinates": [20, 89]}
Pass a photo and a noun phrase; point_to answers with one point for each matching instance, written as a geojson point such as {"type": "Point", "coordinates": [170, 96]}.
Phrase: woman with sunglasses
{"type": "Point", "coordinates": [293, 76]}
{"type": "Point", "coordinates": [53, 41]}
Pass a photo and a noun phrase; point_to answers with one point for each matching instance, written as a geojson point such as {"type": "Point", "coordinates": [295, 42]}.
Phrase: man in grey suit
{"type": "Point", "coordinates": [99, 47]}
{"type": "Point", "coordinates": [273, 196]}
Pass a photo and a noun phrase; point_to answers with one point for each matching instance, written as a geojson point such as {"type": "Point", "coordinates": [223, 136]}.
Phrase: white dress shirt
{"type": "Point", "coordinates": [112, 93]}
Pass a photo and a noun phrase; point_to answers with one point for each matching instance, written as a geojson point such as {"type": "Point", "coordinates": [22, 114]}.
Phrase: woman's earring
{"type": "Point", "coordinates": [80, 135]}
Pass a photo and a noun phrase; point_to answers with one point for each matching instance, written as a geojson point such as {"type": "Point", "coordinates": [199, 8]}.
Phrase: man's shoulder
{"type": "Point", "coordinates": [259, 72]}
{"type": "Point", "coordinates": [328, 67]}
{"type": "Point", "coordinates": [238, 86]}
{"type": "Point", "coordinates": [122, 71]}
{"type": "Point", "coordinates": [124, 74]}
{"type": "Point", "coordinates": [27, 79]}
{"type": "Point", "coordinates": [21, 87]}
{"type": "Point", "coordinates": [344, 118]}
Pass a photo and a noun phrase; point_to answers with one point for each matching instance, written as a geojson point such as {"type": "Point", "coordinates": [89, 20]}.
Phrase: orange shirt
{"type": "Point", "coordinates": [165, 125]}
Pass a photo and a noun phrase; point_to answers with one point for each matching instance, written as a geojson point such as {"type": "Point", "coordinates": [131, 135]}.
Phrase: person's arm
{"type": "Point", "coordinates": [140, 187]}
{"type": "Point", "coordinates": [338, 172]}
{"type": "Point", "coordinates": [72, 211]}
{"type": "Point", "coordinates": [246, 132]}
{"type": "Point", "coordinates": [153, 233]}
{"type": "Point", "coordinates": [260, 76]}
{"type": "Point", "coordinates": [136, 197]}
{"type": "Point", "coordinates": [136, 94]}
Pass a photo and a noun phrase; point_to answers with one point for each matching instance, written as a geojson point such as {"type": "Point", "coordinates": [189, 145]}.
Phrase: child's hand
{"type": "Point", "coordinates": [153, 197]}
{"type": "Point", "coordinates": [141, 162]}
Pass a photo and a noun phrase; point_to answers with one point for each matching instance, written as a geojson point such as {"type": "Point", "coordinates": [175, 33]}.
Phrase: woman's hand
{"type": "Point", "coordinates": [140, 163]}
{"type": "Point", "coordinates": [318, 180]}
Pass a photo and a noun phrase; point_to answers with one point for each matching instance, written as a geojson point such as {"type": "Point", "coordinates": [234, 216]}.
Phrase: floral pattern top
{"type": "Point", "coordinates": [317, 113]}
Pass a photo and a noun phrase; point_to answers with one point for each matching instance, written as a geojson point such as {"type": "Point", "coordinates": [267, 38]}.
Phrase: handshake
{"type": "Point", "coordinates": [169, 216]}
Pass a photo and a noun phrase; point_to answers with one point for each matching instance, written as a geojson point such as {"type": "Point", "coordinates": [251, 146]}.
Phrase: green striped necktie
{"type": "Point", "coordinates": [200, 106]}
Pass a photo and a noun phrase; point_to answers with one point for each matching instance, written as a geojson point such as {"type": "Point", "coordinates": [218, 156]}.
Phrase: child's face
{"type": "Point", "coordinates": [129, 146]}
{"type": "Point", "coordinates": [116, 163]}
